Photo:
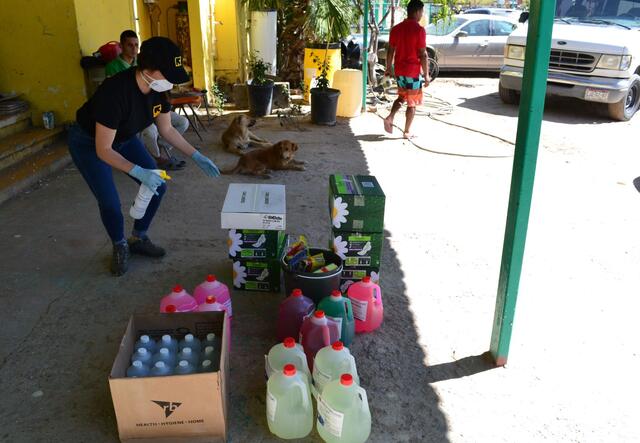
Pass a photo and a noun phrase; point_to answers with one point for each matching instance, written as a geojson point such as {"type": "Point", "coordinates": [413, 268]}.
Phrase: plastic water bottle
{"type": "Point", "coordinates": [287, 352]}
{"type": "Point", "coordinates": [169, 342]}
{"type": "Point", "coordinates": [144, 196]}
{"type": "Point", "coordinates": [160, 369]}
{"type": "Point", "coordinates": [291, 313]}
{"type": "Point", "coordinates": [211, 286]}
{"type": "Point", "coordinates": [190, 355]}
{"type": "Point", "coordinates": [330, 363]}
{"type": "Point", "coordinates": [339, 309]}
{"type": "Point", "coordinates": [166, 356]}
{"type": "Point", "coordinates": [180, 299]}
{"type": "Point", "coordinates": [209, 340]}
{"type": "Point", "coordinates": [137, 369]}
{"type": "Point", "coordinates": [208, 353]}
{"type": "Point", "coordinates": [142, 355]}
{"type": "Point", "coordinates": [185, 367]}
{"type": "Point", "coordinates": [317, 332]}
{"type": "Point", "coordinates": [366, 298]}
{"type": "Point", "coordinates": [190, 341]}
{"type": "Point", "coordinates": [289, 407]}
{"type": "Point", "coordinates": [206, 366]}
{"type": "Point", "coordinates": [146, 342]}
{"type": "Point", "coordinates": [343, 412]}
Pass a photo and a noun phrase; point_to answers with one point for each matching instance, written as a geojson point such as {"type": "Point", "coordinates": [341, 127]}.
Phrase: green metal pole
{"type": "Point", "coordinates": [534, 85]}
{"type": "Point", "coordinates": [365, 56]}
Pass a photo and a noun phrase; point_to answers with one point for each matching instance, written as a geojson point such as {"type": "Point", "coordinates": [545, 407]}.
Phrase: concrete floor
{"type": "Point", "coordinates": [572, 372]}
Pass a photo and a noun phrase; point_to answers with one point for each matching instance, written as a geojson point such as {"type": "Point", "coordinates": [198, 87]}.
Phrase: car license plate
{"type": "Point", "coordinates": [596, 95]}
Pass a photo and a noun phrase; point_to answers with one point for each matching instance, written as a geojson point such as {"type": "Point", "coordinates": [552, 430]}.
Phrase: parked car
{"type": "Point", "coordinates": [470, 42]}
{"type": "Point", "coordinates": [511, 13]}
{"type": "Point", "coordinates": [595, 56]}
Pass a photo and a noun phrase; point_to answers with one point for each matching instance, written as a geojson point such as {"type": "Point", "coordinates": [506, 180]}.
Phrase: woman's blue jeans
{"type": "Point", "coordinates": [99, 177]}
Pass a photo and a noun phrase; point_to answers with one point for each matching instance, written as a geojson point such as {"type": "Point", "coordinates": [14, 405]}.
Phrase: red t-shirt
{"type": "Point", "coordinates": [407, 38]}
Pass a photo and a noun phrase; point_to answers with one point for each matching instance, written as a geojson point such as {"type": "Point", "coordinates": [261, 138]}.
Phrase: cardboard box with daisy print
{"type": "Point", "coordinates": [351, 275]}
{"type": "Point", "coordinates": [356, 203]}
{"type": "Point", "coordinates": [255, 243]}
{"type": "Point", "coordinates": [358, 249]}
{"type": "Point", "coordinates": [257, 275]}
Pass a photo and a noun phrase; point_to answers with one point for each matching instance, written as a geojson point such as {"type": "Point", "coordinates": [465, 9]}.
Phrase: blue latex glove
{"type": "Point", "coordinates": [206, 164]}
{"type": "Point", "coordinates": [148, 177]}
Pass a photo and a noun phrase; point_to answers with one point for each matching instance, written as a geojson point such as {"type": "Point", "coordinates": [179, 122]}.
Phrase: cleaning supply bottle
{"type": "Point", "coordinates": [142, 355]}
{"type": "Point", "coordinates": [317, 331]}
{"type": "Point", "coordinates": [160, 369]}
{"type": "Point", "coordinates": [210, 304]}
{"type": "Point", "coordinates": [287, 352]}
{"type": "Point", "coordinates": [208, 353]}
{"type": "Point", "coordinates": [144, 196]}
{"type": "Point", "coordinates": [366, 298]}
{"type": "Point", "coordinates": [169, 342]}
{"type": "Point", "coordinates": [180, 299]}
{"type": "Point", "coordinates": [209, 340]}
{"type": "Point", "coordinates": [206, 366]}
{"type": "Point", "coordinates": [137, 369]}
{"type": "Point", "coordinates": [339, 309]}
{"type": "Point", "coordinates": [185, 367]}
{"type": "Point", "coordinates": [291, 312]}
{"type": "Point", "coordinates": [212, 286]}
{"type": "Point", "coordinates": [164, 355]}
{"type": "Point", "coordinates": [190, 355]}
{"type": "Point", "coordinates": [330, 363]}
{"type": "Point", "coordinates": [190, 341]}
{"type": "Point", "coordinates": [343, 412]}
{"type": "Point", "coordinates": [289, 407]}
{"type": "Point", "coordinates": [146, 342]}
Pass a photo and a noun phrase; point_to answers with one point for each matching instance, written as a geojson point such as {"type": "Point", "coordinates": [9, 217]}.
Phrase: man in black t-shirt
{"type": "Point", "coordinates": [105, 138]}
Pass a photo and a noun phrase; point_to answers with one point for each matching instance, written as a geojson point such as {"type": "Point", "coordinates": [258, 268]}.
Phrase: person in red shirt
{"type": "Point", "coordinates": [406, 60]}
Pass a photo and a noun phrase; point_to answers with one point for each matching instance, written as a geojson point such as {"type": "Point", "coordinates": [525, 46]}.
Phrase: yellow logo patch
{"type": "Point", "coordinates": [178, 61]}
{"type": "Point", "coordinates": [156, 110]}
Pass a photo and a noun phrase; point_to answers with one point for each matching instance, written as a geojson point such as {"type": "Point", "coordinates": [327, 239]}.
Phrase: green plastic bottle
{"type": "Point", "coordinates": [343, 412]}
{"type": "Point", "coordinates": [340, 309]}
{"type": "Point", "coordinates": [289, 407]}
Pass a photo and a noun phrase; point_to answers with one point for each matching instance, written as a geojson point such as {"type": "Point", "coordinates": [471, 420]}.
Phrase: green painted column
{"type": "Point", "coordinates": [365, 56]}
{"type": "Point", "coordinates": [524, 167]}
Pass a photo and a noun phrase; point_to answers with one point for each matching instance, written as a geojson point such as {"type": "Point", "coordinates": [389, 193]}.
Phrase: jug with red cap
{"type": "Point", "coordinates": [291, 312]}
{"type": "Point", "coordinates": [366, 299]}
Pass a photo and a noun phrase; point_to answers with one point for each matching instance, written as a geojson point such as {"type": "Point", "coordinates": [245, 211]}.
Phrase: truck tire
{"type": "Point", "coordinates": [627, 107]}
{"type": "Point", "coordinates": [508, 96]}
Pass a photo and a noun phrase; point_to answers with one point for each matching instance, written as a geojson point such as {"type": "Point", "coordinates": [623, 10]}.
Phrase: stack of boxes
{"type": "Point", "coordinates": [357, 203]}
{"type": "Point", "coordinates": [256, 218]}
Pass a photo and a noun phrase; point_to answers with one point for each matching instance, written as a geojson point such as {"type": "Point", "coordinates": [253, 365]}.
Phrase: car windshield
{"type": "Point", "coordinates": [623, 13]}
{"type": "Point", "coordinates": [446, 26]}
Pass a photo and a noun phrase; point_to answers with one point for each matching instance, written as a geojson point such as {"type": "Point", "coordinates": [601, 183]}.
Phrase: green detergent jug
{"type": "Point", "coordinates": [343, 412]}
{"type": "Point", "coordinates": [339, 308]}
{"type": "Point", "coordinates": [289, 407]}
{"type": "Point", "coordinates": [330, 363]}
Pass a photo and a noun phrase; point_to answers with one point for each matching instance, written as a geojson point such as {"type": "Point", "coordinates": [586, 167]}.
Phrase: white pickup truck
{"type": "Point", "coordinates": [595, 55]}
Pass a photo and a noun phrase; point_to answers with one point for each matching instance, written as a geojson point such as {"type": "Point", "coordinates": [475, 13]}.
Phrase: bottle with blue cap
{"type": "Point", "coordinates": [206, 366]}
{"type": "Point", "coordinates": [165, 355]}
{"type": "Point", "coordinates": [160, 369]}
{"type": "Point", "coordinates": [146, 342]}
{"type": "Point", "coordinates": [189, 355]}
{"type": "Point", "coordinates": [189, 341]}
{"type": "Point", "coordinates": [185, 367]}
{"type": "Point", "coordinates": [137, 369]}
{"type": "Point", "coordinates": [168, 342]}
{"type": "Point", "coordinates": [142, 355]}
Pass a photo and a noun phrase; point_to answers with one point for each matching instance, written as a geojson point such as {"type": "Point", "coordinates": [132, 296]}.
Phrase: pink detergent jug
{"type": "Point", "coordinates": [318, 331]}
{"type": "Point", "coordinates": [180, 299]}
{"type": "Point", "coordinates": [366, 300]}
{"type": "Point", "coordinates": [211, 286]}
{"type": "Point", "coordinates": [293, 310]}
{"type": "Point", "coordinates": [210, 304]}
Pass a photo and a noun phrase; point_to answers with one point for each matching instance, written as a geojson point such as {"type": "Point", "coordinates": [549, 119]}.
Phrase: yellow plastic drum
{"type": "Point", "coordinates": [334, 58]}
{"type": "Point", "coordinates": [349, 82]}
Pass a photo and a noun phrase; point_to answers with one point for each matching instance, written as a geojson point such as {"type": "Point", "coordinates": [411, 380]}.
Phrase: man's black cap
{"type": "Point", "coordinates": [164, 55]}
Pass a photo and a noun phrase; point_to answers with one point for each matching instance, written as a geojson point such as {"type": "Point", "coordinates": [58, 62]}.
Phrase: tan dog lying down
{"type": "Point", "coordinates": [237, 136]}
{"type": "Point", "coordinates": [261, 161]}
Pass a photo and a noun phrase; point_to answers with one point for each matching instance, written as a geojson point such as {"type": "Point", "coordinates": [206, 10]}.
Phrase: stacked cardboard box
{"type": "Point", "coordinates": [256, 218]}
{"type": "Point", "coordinates": [356, 204]}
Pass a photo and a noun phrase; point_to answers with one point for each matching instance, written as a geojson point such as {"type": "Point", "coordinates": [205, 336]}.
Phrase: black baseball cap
{"type": "Point", "coordinates": [164, 55]}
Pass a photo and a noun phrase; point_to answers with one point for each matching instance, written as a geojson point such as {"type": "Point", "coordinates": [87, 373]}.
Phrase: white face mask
{"type": "Point", "coordinates": [157, 85]}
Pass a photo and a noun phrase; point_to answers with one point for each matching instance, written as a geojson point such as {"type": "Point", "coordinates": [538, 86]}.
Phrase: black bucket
{"type": "Point", "coordinates": [315, 286]}
{"type": "Point", "coordinates": [260, 99]}
{"type": "Point", "coordinates": [324, 105]}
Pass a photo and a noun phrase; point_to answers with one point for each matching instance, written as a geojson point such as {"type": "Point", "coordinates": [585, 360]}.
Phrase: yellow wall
{"type": "Point", "coordinates": [42, 60]}
{"type": "Point", "coordinates": [142, 18]}
{"type": "Point", "coordinates": [226, 39]}
{"type": "Point", "coordinates": [201, 32]}
{"type": "Point", "coordinates": [100, 21]}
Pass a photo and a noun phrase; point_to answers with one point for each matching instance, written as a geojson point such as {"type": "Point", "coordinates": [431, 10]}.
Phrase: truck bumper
{"type": "Point", "coordinates": [594, 89]}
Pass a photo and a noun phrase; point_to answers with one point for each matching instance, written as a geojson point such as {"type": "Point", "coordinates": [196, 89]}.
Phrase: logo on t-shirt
{"type": "Point", "coordinates": [178, 61]}
{"type": "Point", "coordinates": [156, 110]}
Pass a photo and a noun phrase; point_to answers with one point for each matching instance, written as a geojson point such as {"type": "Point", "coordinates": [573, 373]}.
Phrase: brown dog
{"type": "Point", "coordinates": [260, 161]}
{"type": "Point", "coordinates": [238, 137]}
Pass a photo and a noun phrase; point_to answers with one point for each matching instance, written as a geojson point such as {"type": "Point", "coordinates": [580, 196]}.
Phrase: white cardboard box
{"type": "Point", "coordinates": [252, 206]}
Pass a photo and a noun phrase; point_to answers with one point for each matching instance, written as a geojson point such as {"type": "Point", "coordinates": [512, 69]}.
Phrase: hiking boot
{"type": "Point", "coordinates": [120, 259]}
{"type": "Point", "coordinates": [144, 246]}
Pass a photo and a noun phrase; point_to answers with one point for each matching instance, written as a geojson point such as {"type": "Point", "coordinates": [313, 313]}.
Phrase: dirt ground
{"type": "Point", "coordinates": [572, 370]}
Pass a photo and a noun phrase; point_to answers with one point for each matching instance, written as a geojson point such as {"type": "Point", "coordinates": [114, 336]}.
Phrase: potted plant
{"type": "Point", "coordinates": [324, 100]}
{"type": "Point", "coordinates": [260, 87]}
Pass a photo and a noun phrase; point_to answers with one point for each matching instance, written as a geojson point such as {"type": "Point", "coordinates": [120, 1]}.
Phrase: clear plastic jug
{"type": "Point", "coordinates": [339, 308]}
{"type": "Point", "coordinates": [291, 313]}
{"type": "Point", "coordinates": [142, 355]}
{"type": "Point", "coordinates": [317, 331]}
{"type": "Point", "coordinates": [330, 363]}
{"type": "Point", "coordinates": [212, 286]}
{"type": "Point", "coordinates": [180, 299]}
{"type": "Point", "coordinates": [164, 355]}
{"type": "Point", "coordinates": [287, 352]}
{"type": "Point", "coordinates": [343, 412]}
{"type": "Point", "coordinates": [289, 407]}
{"type": "Point", "coordinates": [366, 299]}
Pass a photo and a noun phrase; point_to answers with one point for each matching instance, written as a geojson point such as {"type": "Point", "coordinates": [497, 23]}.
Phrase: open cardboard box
{"type": "Point", "coordinates": [176, 408]}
